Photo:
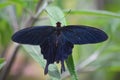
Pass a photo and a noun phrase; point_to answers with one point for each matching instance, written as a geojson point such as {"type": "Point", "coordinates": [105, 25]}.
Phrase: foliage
{"type": "Point", "coordinates": [99, 61]}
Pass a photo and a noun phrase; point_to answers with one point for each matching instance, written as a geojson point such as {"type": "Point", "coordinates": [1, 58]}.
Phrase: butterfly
{"type": "Point", "coordinates": [56, 43]}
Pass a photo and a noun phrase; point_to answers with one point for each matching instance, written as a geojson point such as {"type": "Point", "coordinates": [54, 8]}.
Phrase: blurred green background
{"type": "Point", "coordinates": [92, 62]}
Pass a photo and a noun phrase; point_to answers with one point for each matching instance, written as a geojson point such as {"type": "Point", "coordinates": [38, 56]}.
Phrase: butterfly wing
{"type": "Point", "coordinates": [83, 34]}
{"type": "Point", "coordinates": [33, 35]}
{"type": "Point", "coordinates": [56, 49]}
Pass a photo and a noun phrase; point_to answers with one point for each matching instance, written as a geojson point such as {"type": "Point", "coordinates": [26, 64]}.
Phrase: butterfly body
{"type": "Point", "coordinates": [56, 43]}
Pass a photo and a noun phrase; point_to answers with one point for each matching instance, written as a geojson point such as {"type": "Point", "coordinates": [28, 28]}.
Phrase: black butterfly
{"type": "Point", "coordinates": [57, 42]}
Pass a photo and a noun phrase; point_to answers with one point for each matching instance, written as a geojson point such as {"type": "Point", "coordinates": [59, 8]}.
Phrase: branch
{"type": "Point", "coordinates": [34, 17]}
{"type": "Point", "coordinates": [7, 68]}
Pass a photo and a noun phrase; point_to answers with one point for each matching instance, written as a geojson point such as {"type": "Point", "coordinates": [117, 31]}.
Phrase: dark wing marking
{"type": "Point", "coordinates": [33, 35]}
{"type": "Point", "coordinates": [78, 34]}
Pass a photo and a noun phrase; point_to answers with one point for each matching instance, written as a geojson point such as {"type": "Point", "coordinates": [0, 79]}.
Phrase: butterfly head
{"type": "Point", "coordinates": [58, 24]}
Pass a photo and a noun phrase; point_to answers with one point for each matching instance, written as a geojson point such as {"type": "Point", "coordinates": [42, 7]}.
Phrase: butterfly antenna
{"type": "Point", "coordinates": [67, 13]}
{"type": "Point", "coordinates": [51, 16]}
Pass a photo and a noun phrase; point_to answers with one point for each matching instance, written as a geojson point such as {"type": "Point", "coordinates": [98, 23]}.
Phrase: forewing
{"type": "Point", "coordinates": [33, 35]}
{"type": "Point", "coordinates": [83, 34]}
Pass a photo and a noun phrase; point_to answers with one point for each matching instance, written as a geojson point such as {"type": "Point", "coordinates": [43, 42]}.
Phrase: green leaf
{"type": "Point", "coordinates": [34, 52]}
{"type": "Point", "coordinates": [2, 62]}
{"type": "Point", "coordinates": [7, 3]}
{"type": "Point", "coordinates": [71, 67]}
{"type": "Point", "coordinates": [115, 24]}
{"type": "Point", "coordinates": [96, 13]}
{"type": "Point", "coordinates": [2, 5]}
{"type": "Point", "coordinates": [55, 15]}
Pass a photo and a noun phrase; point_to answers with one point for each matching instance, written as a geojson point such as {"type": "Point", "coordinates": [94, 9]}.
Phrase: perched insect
{"type": "Point", "coordinates": [57, 42]}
